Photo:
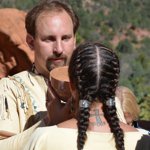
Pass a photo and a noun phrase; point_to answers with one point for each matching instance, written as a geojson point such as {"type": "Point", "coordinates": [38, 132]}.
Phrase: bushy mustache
{"type": "Point", "coordinates": [60, 56]}
{"type": "Point", "coordinates": [53, 57]}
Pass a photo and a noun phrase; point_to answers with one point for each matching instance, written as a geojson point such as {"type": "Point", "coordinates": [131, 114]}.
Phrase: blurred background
{"type": "Point", "coordinates": [121, 25]}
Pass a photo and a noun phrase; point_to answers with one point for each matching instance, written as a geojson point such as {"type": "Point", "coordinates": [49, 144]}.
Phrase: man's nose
{"type": "Point", "coordinates": [58, 48]}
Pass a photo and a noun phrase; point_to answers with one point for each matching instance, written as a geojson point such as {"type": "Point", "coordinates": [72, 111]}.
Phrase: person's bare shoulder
{"type": "Point", "coordinates": [68, 124]}
{"type": "Point", "coordinates": [127, 128]}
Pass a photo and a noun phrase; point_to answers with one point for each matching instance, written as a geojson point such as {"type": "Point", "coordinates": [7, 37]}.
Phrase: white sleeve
{"type": "Point", "coordinates": [9, 120]}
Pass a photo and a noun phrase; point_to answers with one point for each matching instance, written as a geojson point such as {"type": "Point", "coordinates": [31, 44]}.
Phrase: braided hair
{"type": "Point", "coordinates": [94, 70]}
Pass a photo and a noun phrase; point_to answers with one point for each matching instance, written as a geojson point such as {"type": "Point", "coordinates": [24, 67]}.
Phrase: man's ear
{"type": "Point", "coordinates": [30, 41]}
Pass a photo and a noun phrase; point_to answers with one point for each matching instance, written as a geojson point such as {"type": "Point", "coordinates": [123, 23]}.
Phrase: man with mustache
{"type": "Point", "coordinates": [51, 32]}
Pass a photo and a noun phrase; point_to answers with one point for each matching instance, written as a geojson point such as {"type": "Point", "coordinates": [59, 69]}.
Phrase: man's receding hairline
{"type": "Point", "coordinates": [53, 12]}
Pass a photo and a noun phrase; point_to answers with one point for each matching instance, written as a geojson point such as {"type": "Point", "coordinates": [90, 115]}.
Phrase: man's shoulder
{"type": "Point", "coordinates": [19, 77]}
{"type": "Point", "coordinates": [22, 74]}
{"type": "Point", "coordinates": [8, 78]}
{"type": "Point", "coordinates": [25, 79]}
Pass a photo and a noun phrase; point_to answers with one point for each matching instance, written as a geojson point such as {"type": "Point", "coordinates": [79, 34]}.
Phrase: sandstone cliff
{"type": "Point", "coordinates": [15, 55]}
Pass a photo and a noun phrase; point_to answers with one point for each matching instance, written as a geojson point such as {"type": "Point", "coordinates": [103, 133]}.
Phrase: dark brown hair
{"type": "Point", "coordinates": [46, 6]}
{"type": "Point", "coordinates": [94, 70]}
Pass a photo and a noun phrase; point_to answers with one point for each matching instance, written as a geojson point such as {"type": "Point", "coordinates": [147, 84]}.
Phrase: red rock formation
{"type": "Point", "coordinates": [15, 55]}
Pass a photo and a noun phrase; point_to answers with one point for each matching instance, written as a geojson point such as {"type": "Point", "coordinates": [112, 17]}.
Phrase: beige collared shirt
{"type": "Point", "coordinates": [21, 96]}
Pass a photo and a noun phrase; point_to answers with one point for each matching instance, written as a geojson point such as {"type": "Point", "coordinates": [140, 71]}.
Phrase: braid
{"type": "Point", "coordinates": [86, 89]}
{"type": "Point", "coordinates": [83, 116]}
{"type": "Point", "coordinates": [110, 72]}
{"type": "Point", "coordinates": [84, 93]}
{"type": "Point", "coordinates": [83, 124]}
{"type": "Point", "coordinates": [94, 70]}
{"type": "Point", "coordinates": [113, 121]}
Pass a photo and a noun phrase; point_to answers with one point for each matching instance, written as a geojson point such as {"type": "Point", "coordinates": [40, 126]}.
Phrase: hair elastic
{"type": "Point", "coordinates": [84, 103]}
{"type": "Point", "coordinates": [110, 102]}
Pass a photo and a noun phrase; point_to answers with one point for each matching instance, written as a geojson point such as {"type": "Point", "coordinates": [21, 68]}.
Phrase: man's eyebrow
{"type": "Point", "coordinates": [67, 35]}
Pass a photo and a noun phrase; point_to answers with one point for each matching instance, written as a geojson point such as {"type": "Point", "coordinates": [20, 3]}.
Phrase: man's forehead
{"type": "Point", "coordinates": [54, 16]}
{"type": "Point", "coordinates": [52, 13]}
{"type": "Point", "coordinates": [54, 24]}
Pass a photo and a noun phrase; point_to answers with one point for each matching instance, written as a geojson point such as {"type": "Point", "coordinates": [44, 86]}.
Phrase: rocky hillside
{"type": "Point", "coordinates": [15, 55]}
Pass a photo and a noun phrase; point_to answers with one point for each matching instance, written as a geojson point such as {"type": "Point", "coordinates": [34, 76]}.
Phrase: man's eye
{"type": "Point", "coordinates": [50, 39]}
{"type": "Point", "coordinates": [66, 38]}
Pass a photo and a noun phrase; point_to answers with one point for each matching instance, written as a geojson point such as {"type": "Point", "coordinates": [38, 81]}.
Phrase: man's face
{"type": "Point", "coordinates": [54, 41]}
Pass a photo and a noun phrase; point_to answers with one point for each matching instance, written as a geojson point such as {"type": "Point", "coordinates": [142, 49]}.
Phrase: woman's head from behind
{"type": "Point", "coordinates": [129, 103]}
{"type": "Point", "coordinates": [94, 72]}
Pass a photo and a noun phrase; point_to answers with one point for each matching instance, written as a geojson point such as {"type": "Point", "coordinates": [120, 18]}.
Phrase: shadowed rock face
{"type": "Point", "coordinates": [15, 55]}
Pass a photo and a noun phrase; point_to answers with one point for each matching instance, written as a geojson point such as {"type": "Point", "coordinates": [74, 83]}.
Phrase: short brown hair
{"type": "Point", "coordinates": [48, 5]}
